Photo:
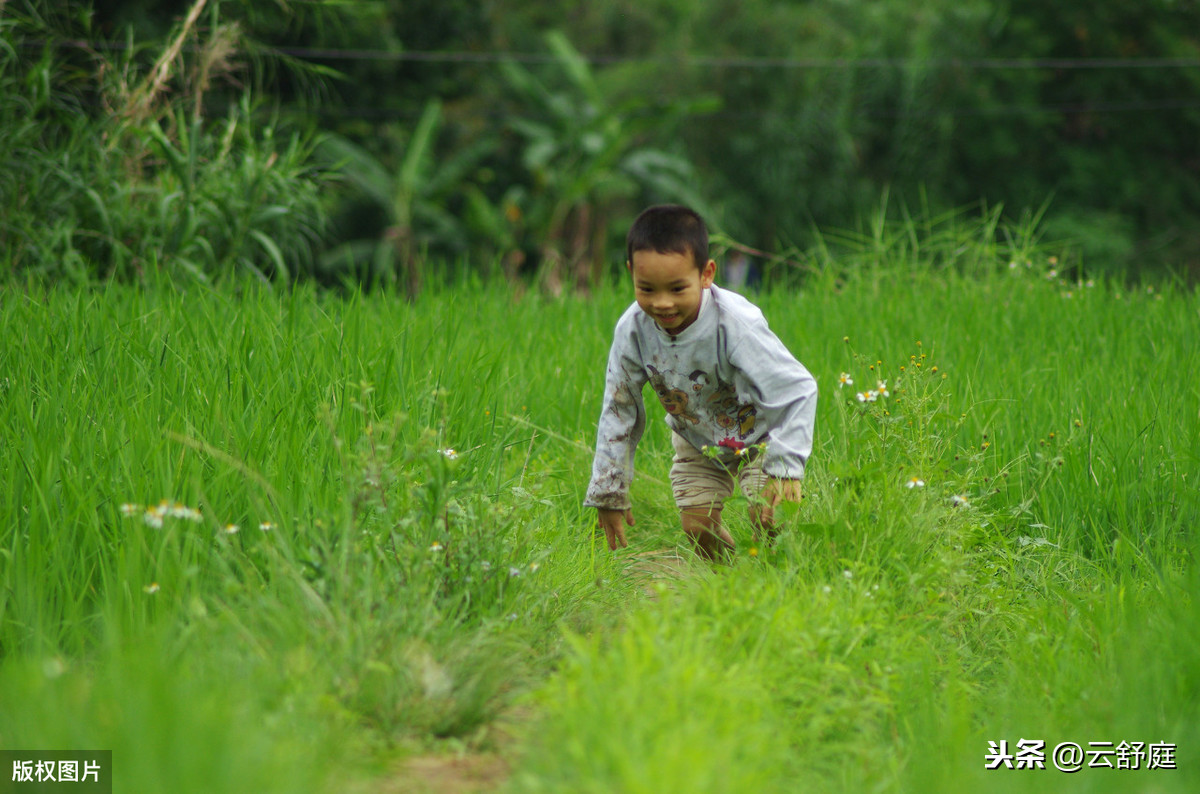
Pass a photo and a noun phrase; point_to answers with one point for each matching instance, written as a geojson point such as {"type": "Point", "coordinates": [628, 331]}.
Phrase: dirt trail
{"type": "Point", "coordinates": [477, 772]}
{"type": "Point", "coordinates": [470, 773]}
{"type": "Point", "coordinates": [650, 568]}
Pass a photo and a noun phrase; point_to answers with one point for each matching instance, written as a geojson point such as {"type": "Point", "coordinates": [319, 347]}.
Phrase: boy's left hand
{"type": "Point", "coordinates": [782, 490]}
{"type": "Point", "coordinates": [775, 491]}
{"type": "Point", "coordinates": [762, 515]}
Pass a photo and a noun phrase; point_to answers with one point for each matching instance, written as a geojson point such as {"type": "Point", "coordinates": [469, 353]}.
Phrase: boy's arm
{"type": "Point", "coordinates": [622, 422]}
{"type": "Point", "coordinates": [785, 394]}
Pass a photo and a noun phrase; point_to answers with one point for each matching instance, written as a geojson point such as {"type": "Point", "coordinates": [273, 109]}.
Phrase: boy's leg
{"type": "Point", "coordinates": [703, 526]}
{"type": "Point", "coordinates": [701, 487]}
{"type": "Point", "coordinates": [762, 504]}
{"type": "Point", "coordinates": [762, 518]}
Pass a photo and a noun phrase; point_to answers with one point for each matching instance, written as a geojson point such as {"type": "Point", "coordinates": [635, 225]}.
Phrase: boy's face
{"type": "Point", "coordinates": [669, 287]}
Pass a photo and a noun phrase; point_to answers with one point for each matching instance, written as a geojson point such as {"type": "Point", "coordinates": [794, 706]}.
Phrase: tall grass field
{"type": "Point", "coordinates": [285, 540]}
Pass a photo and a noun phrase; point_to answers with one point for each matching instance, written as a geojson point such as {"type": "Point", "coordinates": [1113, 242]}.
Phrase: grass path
{"type": "Point", "coordinates": [373, 551]}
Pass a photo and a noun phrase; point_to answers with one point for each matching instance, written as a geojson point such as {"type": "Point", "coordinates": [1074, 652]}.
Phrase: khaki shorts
{"type": "Point", "coordinates": [699, 481]}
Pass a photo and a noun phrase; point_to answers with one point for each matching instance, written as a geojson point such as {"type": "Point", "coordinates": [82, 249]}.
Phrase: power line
{"type": "Point", "coordinates": [1010, 110]}
{"type": "Point", "coordinates": [730, 62]}
{"type": "Point", "coordinates": [744, 62]}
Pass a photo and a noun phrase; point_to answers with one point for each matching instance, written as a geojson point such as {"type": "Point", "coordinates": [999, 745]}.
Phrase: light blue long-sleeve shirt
{"type": "Point", "coordinates": [726, 381]}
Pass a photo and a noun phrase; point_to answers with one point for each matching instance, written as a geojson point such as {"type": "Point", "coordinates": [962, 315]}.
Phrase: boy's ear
{"type": "Point", "coordinates": [708, 274]}
{"type": "Point", "coordinates": [629, 267]}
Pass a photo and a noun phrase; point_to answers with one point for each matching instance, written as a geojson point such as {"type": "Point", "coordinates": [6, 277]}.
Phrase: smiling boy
{"type": "Point", "coordinates": [740, 406]}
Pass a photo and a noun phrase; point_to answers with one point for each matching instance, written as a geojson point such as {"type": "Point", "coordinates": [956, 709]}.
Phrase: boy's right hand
{"type": "Point", "coordinates": [611, 522]}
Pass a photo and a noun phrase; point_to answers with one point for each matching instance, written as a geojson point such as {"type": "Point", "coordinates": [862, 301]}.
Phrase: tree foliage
{"type": "Point", "coordinates": [464, 131]}
{"type": "Point", "coordinates": [112, 168]}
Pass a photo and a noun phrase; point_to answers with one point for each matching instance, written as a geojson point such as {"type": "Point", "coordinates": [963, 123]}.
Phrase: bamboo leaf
{"type": "Point", "coordinates": [273, 252]}
{"type": "Point", "coordinates": [419, 146]}
{"type": "Point", "coordinates": [360, 167]}
{"type": "Point", "coordinates": [574, 65]}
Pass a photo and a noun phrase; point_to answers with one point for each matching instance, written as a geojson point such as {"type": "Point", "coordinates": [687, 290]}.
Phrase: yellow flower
{"type": "Point", "coordinates": [231, 529]}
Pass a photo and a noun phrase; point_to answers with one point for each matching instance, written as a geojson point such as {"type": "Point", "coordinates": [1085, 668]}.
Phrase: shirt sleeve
{"type": "Point", "coordinates": [785, 394]}
{"type": "Point", "coordinates": [622, 422]}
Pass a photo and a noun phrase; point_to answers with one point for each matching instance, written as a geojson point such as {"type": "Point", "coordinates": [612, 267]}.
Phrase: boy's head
{"type": "Point", "coordinates": [668, 259]}
{"type": "Point", "coordinates": [669, 229]}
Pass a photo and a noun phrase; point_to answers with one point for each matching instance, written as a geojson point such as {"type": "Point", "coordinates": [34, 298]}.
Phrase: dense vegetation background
{"type": "Point", "coordinates": [365, 139]}
{"type": "Point", "coordinates": [320, 539]}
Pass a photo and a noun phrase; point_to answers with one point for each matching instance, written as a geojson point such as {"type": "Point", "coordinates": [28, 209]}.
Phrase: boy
{"type": "Point", "coordinates": [738, 403]}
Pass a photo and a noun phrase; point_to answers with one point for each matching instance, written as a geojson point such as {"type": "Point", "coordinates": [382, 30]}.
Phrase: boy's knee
{"type": "Point", "coordinates": [697, 519]}
{"type": "Point", "coordinates": [762, 517]}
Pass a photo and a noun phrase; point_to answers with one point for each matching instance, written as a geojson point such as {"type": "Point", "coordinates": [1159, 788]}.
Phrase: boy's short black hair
{"type": "Point", "coordinates": [669, 229]}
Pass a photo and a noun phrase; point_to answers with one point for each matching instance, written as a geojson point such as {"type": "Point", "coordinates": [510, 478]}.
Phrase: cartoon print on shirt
{"type": "Point", "coordinates": [728, 413]}
{"type": "Point", "coordinates": [746, 414]}
{"type": "Point", "coordinates": [722, 402]}
{"type": "Point", "coordinates": [699, 379]}
{"type": "Point", "coordinates": [675, 401]}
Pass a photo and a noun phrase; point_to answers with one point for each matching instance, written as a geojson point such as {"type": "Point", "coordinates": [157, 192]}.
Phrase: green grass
{"type": "Point", "coordinates": [403, 601]}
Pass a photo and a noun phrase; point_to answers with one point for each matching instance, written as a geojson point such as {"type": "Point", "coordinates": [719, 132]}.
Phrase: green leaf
{"type": "Point", "coordinates": [419, 147]}
{"type": "Point", "coordinates": [273, 252]}
{"type": "Point", "coordinates": [360, 167]}
{"type": "Point", "coordinates": [574, 65]}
